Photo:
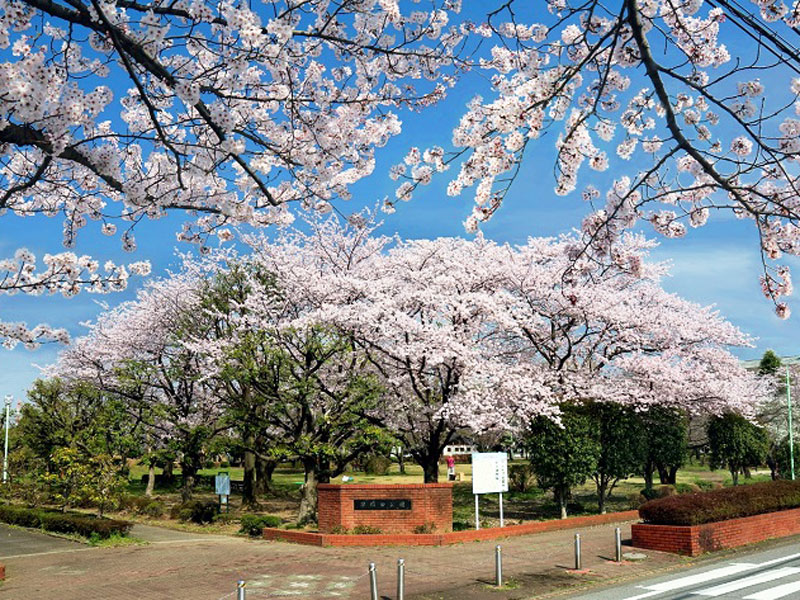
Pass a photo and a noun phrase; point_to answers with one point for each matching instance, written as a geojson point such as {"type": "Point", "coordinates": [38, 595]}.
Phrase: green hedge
{"type": "Point", "coordinates": [254, 524]}
{"type": "Point", "coordinates": [722, 504]}
{"type": "Point", "coordinates": [58, 522]}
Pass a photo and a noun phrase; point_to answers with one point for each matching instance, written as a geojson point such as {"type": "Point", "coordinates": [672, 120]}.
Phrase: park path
{"type": "Point", "coordinates": [184, 566]}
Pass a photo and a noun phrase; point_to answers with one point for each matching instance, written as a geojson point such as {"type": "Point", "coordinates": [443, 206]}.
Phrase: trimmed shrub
{"type": "Point", "coordinates": [58, 522]}
{"type": "Point", "coordinates": [366, 529]}
{"type": "Point", "coordinates": [154, 509]}
{"type": "Point", "coordinates": [722, 504]}
{"type": "Point", "coordinates": [196, 511]}
{"type": "Point", "coordinates": [253, 525]}
{"type": "Point", "coordinates": [650, 494]}
{"type": "Point", "coordinates": [426, 528]}
{"type": "Point", "coordinates": [377, 465]}
{"type": "Point", "coordinates": [687, 488]}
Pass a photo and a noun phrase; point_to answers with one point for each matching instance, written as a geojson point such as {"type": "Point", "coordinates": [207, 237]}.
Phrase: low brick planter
{"type": "Point", "coordinates": [443, 539]}
{"type": "Point", "coordinates": [693, 540]}
{"type": "Point", "coordinates": [2, 572]}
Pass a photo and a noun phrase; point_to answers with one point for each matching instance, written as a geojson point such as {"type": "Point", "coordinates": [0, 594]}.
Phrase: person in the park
{"type": "Point", "coordinates": [451, 468]}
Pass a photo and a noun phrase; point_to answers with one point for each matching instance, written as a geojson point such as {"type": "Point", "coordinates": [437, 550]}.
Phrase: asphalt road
{"type": "Point", "coordinates": [15, 542]}
{"type": "Point", "coordinates": [767, 575]}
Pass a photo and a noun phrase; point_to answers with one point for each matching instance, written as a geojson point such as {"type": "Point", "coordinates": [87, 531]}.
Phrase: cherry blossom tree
{"type": "Point", "coordinates": [480, 336]}
{"type": "Point", "coordinates": [119, 112]}
{"type": "Point", "coordinates": [610, 333]}
{"type": "Point", "coordinates": [64, 273]}
{"type": "Point", "coordinates": [122, 111]}
{"type": "Point", "coordinates": [651, 90]}
{"type": "Point", "coordinates": [137, 350]}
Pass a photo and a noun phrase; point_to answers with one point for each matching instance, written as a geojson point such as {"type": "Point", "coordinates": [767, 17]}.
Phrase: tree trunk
{"type": "Point", "coordinates": [189, 471]}
{"type": "Point", "coordinates": [773, 468]}
{"type": "Point", "coordinates": [151, 480]}
{"type": "Point", "coordinates": [249, 464]}
{"type": "Point", "coordinates": [601, 498]}
{"type": "Point", "coordinates": [308, 500]}
{"type": "Point", "coordinates": [430, 468]}
{"type": "Point", "coordinates": [648, 479]}
{"type": "Point", "coordinates": [647, 472]}
{"type": "Point", "coordinates": [673, 475]}
{"type": "Point", "coordinates": [167, 474]}
{"type": "Point", "coordinates": [734, 475]}
{"type": "Point", "coordinates": [561, 496]}
{"type": "Point", "coordinates": [264, 470]}
{"type": "Point", "coordinates": [663, 475]}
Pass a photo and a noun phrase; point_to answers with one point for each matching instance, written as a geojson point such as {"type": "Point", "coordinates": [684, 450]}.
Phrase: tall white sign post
{"type": "Point", "coordinates": [489, 476]}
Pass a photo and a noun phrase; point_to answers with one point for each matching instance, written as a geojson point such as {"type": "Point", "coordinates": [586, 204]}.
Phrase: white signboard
{"type": "Point", "coordinates": [489, 472]}
{"type": "Point", "coordinates": [223, 484]}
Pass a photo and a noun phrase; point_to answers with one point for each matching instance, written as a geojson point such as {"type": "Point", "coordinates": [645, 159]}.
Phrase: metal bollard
{"type": "Point", "coordinates": [618, 545]}
{"type": "Point", "coordinates": [577, 551]}
{"type": "Point", "coordinates": [241, 592]}
{"type": "Point", "coordinates": [373, 582]}
{"type": "Point", "coordinates": [498, 566]}
{"type": "Point", "coordinates": [401, 579]}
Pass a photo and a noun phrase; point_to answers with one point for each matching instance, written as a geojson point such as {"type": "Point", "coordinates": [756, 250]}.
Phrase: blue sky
{"type": "Point", "coordinates": [717, 264]}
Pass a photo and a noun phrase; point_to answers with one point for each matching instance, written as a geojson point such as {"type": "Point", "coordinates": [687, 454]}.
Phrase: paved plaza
{"type": "Point", "coordinates": [184, 566]}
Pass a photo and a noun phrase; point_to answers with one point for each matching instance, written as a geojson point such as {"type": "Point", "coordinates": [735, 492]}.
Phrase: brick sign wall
{"type": "Point", "coordinates": [398, 508]}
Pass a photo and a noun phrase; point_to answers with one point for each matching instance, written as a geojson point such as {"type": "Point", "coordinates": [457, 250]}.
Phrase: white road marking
{"type": "Point", "coordinates": [746, 582]}
{"type": "Point", "coordinates": [48, 552]}
{"type": "Point", "coordinates": [690, 580]}
{"type": "Point", "coordinates": [640, 596]}
{"type": "Point", "coordinates": [779, 591]}
{"type": "Point", "coordinates": [778, 560]}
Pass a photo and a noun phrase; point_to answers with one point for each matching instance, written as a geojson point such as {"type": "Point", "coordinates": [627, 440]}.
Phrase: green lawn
{"type": "Point", "coordinates": [533, 504]}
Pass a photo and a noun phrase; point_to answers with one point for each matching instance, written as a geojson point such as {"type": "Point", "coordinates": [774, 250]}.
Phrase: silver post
{"type": "Point", "coordinates": [498, 566]}
{"type": "Point", "coordinates": [618, 545]}
{"type": "Point", "coordinates": [373, 582]}
{"type": "Point", "coordinates": [401, 579]}
{"type": "Point", "coordinates": [5, 451]}
{"type": "Point", "coordinates": [477, 516]}
{"type": "Point", "coordinates": [241, 592]}
{"type": "Point", "coordinates": [577, 551]}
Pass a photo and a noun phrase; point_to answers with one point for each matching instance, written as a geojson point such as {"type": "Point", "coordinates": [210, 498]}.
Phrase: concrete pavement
{"type": "Point", "coordinates": [16, 542]}
{"type": "Point", "coordinates": [182, 566]}
{"type": "Point", "coordinates": [772, 574]}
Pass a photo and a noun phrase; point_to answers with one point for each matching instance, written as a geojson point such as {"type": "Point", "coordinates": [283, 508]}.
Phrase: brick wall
{"type": "Point", "coordinates": [696, 539]}
{"type": "Point", "coordinates": [441, 539]}
{"type": "Point", "coordinates": [431, 503]}
{"type": "Point", "coordinates": [2, 572]}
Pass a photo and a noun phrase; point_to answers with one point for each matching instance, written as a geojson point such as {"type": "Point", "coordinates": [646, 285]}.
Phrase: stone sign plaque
{"type": "Point", "coordinates": [382, 504]}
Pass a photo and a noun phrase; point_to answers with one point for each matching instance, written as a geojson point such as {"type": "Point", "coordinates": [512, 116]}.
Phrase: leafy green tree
{"type": "Point", "coordinates": [75, 478]}
{"type": "Point", "coordinates": [783, 458]}
{"type": "Point", "coordinates": [622, 447]}
{"type": "Point", "coordinates": [563, 455]}
{"type": "Point", "coordinates": [77, 415]}
{"type": "Point", "coordinates": [770, 363]}
{"type": "Point", "coordinates": [666, 444]}
{"type": "Point", "coordinates": [224, 299]}
{"type": "Point", "coordinates": [736, 443]}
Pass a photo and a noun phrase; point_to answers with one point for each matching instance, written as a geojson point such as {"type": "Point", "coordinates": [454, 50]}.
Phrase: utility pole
{"type": "Point", "coordinates": [791, 433]}
{"type": "Point", "coordinates": [5, 452]}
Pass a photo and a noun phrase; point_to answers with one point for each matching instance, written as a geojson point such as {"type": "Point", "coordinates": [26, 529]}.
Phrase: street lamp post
{"type": "Point", "coordinates": [791, 433]}
{"type": "Point", "coordinates": [5, 451]}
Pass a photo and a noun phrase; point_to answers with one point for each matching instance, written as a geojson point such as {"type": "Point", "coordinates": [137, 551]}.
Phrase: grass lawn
{"type": "Point", "coordinates": [534, 504]}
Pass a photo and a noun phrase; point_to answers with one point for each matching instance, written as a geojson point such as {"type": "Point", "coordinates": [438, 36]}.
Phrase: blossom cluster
{"type": "Point", "coordinates": [65, 273]}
